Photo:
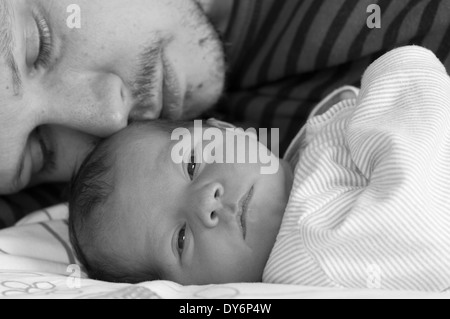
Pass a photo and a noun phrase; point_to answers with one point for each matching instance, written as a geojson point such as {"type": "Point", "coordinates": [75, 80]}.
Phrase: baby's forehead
{"type": "Point", "coordinates": [154, 132]}
{"type": "Point", "coordinates": [140, 134]}
{"type": "Point", "coordinates": [138, 130]}
{"type": "Point", "coordinates": [156, 127]}
{"type": "Point", "coordinates": [148, 127]}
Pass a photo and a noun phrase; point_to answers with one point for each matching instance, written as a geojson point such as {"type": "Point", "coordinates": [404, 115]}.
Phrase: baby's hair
{"type": "Point", "coordinates": [90, 190]}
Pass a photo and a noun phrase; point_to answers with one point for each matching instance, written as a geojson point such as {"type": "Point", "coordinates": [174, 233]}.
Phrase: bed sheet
{"type": "Point", "coordinates": [37, 261]}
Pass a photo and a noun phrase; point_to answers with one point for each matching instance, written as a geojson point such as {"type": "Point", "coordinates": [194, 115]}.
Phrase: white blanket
{"type": "Point", "coordinates": [370, 207]}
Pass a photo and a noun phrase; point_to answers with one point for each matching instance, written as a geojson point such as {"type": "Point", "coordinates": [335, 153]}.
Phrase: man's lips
{"type": "Point", "coordinates": [244, 204]}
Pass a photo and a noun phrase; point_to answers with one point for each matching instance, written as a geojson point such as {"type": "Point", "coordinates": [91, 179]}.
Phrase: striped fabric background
{"type": "Point", "coordinates": [285, 56]}
{"type": "Point", "coordinates": [370, 205]}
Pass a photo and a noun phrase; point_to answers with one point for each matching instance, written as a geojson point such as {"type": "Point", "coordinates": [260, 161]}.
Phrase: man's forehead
{"type": "Point", "coordinates": [8, 64]}
{"type": "Point", "coordinates": [9, 110]}
{"type": "Point", "coordinates": [5, 25]}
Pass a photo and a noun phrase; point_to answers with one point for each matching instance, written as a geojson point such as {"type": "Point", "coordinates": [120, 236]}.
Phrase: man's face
{"type": "Point", "coordinates": [62, 87]}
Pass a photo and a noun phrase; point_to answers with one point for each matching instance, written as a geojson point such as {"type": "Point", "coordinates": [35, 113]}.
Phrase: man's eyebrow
{"type": "Point", "coordinates": [7, 44]}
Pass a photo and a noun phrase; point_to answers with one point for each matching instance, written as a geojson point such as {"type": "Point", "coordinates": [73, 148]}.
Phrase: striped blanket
{"type": "Point", "coordinates": [286, 56]}
{"type": "Point", "coordinates": [370, 205]}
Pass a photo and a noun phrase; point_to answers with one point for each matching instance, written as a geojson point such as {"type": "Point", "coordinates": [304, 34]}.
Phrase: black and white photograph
{"type": "Point", "coordinates": [225, 154]}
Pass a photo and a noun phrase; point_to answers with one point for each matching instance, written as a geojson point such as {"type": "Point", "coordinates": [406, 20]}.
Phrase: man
{"type": "Point", "coordinates": [61, 89]}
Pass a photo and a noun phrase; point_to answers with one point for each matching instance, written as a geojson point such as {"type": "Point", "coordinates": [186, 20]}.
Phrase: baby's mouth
{"type": "Point", "coordinates": [244, 204]}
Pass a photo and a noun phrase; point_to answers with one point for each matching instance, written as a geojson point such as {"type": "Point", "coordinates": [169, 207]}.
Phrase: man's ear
{"type": "Point", "coordinates": [219, 124]}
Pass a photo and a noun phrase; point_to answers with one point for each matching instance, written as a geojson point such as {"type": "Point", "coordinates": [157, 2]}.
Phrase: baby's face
{"type": "Point", "coordinates": [194, 222]}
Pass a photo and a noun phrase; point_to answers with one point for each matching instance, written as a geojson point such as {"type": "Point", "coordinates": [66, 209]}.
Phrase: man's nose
{"type": "Point", "coordinates": [96, 104]}
{"type": "Point", "coordinates": [210, 208]}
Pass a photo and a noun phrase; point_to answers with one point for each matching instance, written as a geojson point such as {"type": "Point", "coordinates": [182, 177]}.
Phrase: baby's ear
{"type": "Point", "coordinates": [219, 124]}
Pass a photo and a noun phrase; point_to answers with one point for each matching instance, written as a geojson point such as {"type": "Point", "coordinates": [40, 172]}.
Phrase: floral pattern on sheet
{"type": "Point", "coordinates": [44, 288]}
{"type": "Point", "coordinates": [36, 285]}
{"type": "Point", "coordinates": [134, 292]}
{"type": "Point", "coordinates": [20, 284]}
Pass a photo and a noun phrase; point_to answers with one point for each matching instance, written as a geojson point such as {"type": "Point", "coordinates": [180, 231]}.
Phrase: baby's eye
{"type": "Point", "coordinates": [191, 168]}
{"type": "Point", "coordinates": [181, 240]}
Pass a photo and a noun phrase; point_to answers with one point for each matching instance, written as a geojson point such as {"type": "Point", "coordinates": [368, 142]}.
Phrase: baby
{"type": "Point", "coordinates": [360, 200]}
{"type": "Point", "coordinates": [139, 213]}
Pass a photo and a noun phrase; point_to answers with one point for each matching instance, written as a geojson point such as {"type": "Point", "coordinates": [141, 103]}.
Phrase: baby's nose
{"type": "Point", "coordinates": [210, 204]}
